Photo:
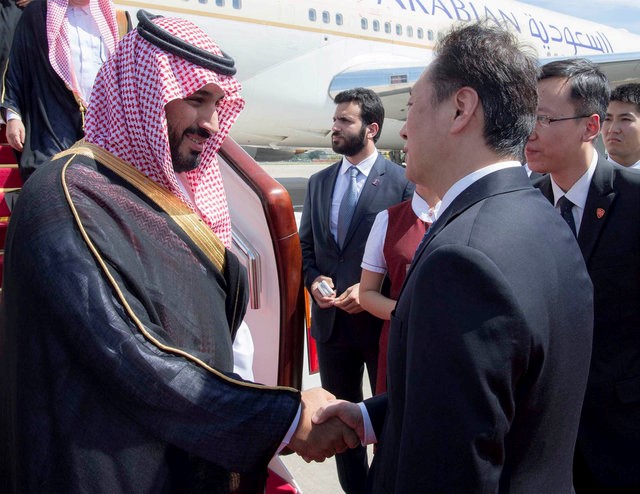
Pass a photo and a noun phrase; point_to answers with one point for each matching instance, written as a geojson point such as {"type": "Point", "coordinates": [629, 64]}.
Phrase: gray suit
{"type": "Point", "coordinates": [346, 341]}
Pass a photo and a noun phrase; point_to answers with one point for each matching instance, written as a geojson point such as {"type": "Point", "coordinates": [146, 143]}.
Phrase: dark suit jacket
{"type": "Point", "coordinates": [386, 185]}
{"type": "Point", "coordinates": [609, 238]}
{"type": "Point", "coordinates": [489, 350]}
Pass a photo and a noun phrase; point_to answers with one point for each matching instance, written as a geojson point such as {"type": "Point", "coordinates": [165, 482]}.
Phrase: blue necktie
{"type": "Point", "coordinates": [565, 206]}
{"type": "Point", "coordinates": [348, 205]}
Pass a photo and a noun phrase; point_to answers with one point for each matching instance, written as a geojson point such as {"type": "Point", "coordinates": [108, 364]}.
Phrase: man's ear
{"type": "Point", "coordinates": [466, 103]}
{"type": "Point", "coordinates": [372, 130]}
{"type": "Point", "coordinates": [592, 128]}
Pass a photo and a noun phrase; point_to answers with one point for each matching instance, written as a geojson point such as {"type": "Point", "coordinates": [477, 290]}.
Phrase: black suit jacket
{"type": "Point", "coordinates": [489, 350]}
{"type": "Point", "coordinates": [609, 237]}
{"type": "Point", "coordinates": [386, 185]}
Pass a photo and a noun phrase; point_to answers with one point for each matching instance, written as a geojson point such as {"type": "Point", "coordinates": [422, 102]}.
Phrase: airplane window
{"type": "Point", "coordinates": [387, 27]}
{"type": "Point", "coordinates": [376, 25]}
{"type": "Point", "coordinates": [420, 33]}
{"type": "Point", "coordinates": [203, 1]}
{"type": "Point", "coordinates": [339, 19]}
{"type": "Point", "coordinates": [326, 18]}
{"type": "Point", "coordinates": [220, 3]}
{"type": "Point", "coordinates": [237, 4]}
{"type": "Point", "coordinates": [410, 31]}
{"type": "Point", "coordinates": [312, 15]}
{"type": "Point", "coordinates": [430, 35]}
{"type": "Point", "coordinates": [364, 23]}
{"type": "Point", "coordinates": [399, 29]}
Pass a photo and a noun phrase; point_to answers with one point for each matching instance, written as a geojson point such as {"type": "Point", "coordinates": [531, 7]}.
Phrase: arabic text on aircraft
{"type": "Point", "coordinates": [548, 34]}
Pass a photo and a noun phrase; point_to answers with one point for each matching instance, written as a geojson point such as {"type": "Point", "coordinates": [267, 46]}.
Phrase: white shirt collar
{"type": "Point", "coordinates": [578, 192]}
{"type": "Point", "coordinates": [422, 209]}
{"type": "Point", "coordinates": [462, 184]}
{"type": "Point", "coordinates": [635, 165]}
{"type": "Point", "coordinates": [363, 167]}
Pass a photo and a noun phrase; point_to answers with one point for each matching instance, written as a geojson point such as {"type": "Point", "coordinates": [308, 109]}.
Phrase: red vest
{"type": "Point", "coordinates": [404, 233]}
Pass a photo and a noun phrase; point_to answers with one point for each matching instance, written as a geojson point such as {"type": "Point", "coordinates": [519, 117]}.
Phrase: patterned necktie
{"type": "Point", "coordinates": [565, 210]}
{"type": "Point", "coordinates": [348, 205]}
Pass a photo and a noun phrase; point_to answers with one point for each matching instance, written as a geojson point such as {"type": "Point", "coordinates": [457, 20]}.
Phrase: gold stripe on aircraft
{"type": "Point", "coordinates": [190, 11]}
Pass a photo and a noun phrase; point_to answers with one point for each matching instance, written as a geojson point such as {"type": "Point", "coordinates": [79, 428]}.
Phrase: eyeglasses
{"type": "Point", "coordinates": [546, 120]}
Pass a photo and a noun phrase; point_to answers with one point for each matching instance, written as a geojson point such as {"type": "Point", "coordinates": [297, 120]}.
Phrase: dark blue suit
{"type": "Point", "coordinates": [346, 341]}
{"type": "Point", "coordinates": [489, 350]}
{"type": "Point", "coordinates": [608, 448]}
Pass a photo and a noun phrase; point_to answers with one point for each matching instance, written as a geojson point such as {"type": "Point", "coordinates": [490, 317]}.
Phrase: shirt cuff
{"type": "Point", "coordinates": [369, 434]}
{"type": "Point", "coordinates": [11, 115]}
{"type": "Point", "coordinates": [292, 429]}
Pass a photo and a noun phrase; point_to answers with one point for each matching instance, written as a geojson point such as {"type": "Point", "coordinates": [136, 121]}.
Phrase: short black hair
{"type": "Point", "coordinates": [627, 93]}
{"type": "Point", "coordinates": [490, 60]}
{"type": "Point", "coordinates": [371, 109]}
{"type": "Point", "coordinates": [589, 87]}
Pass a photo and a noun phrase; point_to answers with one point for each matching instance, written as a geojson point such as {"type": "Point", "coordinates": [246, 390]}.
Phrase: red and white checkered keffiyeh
{"type": "Point", "coordinates": [58, 38]}
{"type": "Point", "coordinates": [127, 116]}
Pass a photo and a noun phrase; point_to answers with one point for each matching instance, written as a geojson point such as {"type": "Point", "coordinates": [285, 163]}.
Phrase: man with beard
{"type": "Point", "coordinates": [340, 206]}
{"type": "Point", "coordinates": [121, 301]}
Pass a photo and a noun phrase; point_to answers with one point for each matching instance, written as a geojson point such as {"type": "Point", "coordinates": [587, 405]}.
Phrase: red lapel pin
{"type": "Point", "coordinates": [599, 213]}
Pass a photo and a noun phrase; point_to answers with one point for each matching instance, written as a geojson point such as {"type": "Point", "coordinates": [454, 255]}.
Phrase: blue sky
{"type": "Point", "coordinates": [616, 13]}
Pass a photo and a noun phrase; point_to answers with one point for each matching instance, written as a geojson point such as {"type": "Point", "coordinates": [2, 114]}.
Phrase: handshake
{"type": "Point", "coordinates": [327, 426]}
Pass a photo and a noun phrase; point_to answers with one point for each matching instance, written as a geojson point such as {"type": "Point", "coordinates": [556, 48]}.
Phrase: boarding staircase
{"type": "Point", "coordinates": [9, 180]}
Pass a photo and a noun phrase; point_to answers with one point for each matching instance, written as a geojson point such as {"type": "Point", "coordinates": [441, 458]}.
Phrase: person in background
{"type": "Point", "coordinates": [621, 126]}
{"type": "Point", "coordinates": [600, 202]}
{"type": "Point", "coordinates": [392, 243]}
{"type": "Point", "coordinates": [121, 301]}
{"type": "Point", "coordinates": [340, 206]}
{"type": "Point", "coordinates": [10, 12]}
{"type": "Point", "coordinates": [57, 49]}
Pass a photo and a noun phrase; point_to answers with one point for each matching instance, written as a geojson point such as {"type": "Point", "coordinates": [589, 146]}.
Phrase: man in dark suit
{"type": "Point", "coordinates": [333, 242]}
{"type": "Point", "coordinates": [491, 336]}
{"type": "Point", "coordinates": [621, 126]}
{"type": "Point", "coordinates": [604, 212]}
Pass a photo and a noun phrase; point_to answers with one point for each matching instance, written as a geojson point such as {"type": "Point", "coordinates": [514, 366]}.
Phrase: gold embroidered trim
{"type": "Point", "coordinates": [87, 150]}
{"type": "Point", "coordinates": [187, 220]}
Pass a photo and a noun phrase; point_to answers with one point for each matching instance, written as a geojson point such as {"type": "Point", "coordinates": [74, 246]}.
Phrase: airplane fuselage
{"type": "Point", "coordinates": [294, 55]}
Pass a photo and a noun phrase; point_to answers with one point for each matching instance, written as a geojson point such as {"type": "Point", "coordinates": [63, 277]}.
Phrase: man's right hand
{"type": "Point", "coordinates": [324, 302]}
{"type": "Point", "coordinates": [320, 441]}
{"type": "Point", "coordinates": [15, 134]}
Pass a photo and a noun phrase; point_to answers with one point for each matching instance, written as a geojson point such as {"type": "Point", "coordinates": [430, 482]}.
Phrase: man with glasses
{"type": "Point", "coordinates": [601, 203]}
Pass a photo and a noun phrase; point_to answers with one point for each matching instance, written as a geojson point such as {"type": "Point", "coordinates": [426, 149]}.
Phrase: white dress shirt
{"type": "Point", "coordinates": [578, 192]}
{"type": "Point", "coordinates": [88, 51]}
{"type": "Point", "coordinates": [636, 165]}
